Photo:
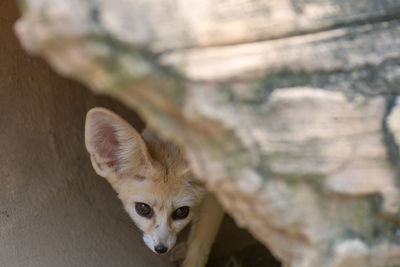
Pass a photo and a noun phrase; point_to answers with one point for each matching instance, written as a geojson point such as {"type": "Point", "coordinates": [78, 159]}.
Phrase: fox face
{"type": "Point", "coordinates": [150, 175]}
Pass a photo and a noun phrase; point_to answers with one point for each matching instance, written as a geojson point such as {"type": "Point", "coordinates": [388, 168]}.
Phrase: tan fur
{"type": "Point", "coordinates": [143, 168]}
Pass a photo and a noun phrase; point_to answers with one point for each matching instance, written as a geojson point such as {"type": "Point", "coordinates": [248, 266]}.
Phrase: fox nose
{"type": "Point", "coordinates": [161, 249]}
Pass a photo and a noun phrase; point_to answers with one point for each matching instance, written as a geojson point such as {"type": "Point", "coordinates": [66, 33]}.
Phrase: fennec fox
{"type": "Point", "coordinates": [154, 183]}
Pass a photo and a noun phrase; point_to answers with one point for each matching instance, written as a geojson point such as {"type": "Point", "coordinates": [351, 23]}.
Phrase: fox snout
{"type": "Point", "coordinates": [159, 245]}
{"type": "Point", "coordinates": [160, 249]}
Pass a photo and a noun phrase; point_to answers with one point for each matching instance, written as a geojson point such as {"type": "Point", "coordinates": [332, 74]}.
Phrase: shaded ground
{"type": "Point", "coordinates": [252, 256]}
{"type": "Point", "coordinates": [235, 247]}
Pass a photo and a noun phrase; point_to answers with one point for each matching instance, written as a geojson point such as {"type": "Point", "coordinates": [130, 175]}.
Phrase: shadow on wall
{"type": "Point", "coordinates": [54, 210]}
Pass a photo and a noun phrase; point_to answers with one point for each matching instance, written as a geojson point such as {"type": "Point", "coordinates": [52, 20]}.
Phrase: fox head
{"type": "Point", "coordinates": [150, 175]}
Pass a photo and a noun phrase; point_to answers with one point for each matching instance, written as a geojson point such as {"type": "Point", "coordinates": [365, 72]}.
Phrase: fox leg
{"type": "Point", "coordinates": [203, 232]}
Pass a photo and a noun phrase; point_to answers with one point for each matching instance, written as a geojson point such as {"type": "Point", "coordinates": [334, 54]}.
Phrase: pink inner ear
{"type": "Point", "coordinates": [106, 143]}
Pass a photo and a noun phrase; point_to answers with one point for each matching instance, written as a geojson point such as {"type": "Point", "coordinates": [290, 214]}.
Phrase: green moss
{"type": "Point", "coordinates": [314, 179]}
{"type": "Point", "coordinates": [366, 80]}
{"type": "Point", "coordinates": [23, 5]}
{"type": "Point", "coordinates": [125, 65]}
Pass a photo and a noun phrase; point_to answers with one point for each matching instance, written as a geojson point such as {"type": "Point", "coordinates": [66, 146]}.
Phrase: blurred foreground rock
{"type": "Point", "coordinates": [288, 110]}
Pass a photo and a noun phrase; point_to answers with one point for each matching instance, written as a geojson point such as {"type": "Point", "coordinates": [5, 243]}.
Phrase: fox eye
{"type": "Point", "coordinates": [180, 213]}
{"type": "Point", "coordinates": [144, 210]}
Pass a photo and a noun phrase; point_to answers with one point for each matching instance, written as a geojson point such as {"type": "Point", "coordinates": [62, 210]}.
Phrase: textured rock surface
{"type": "Point", "coordinates": [286, 109]}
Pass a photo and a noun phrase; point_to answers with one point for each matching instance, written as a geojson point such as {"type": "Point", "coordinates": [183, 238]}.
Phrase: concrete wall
{"type": "Point", "coordinates": [54, 210]}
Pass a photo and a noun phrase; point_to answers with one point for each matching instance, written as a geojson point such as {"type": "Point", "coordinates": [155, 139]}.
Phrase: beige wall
{"type": "Point", "coordinates": [54, 210]}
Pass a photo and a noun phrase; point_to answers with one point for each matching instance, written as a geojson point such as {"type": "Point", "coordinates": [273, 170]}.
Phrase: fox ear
{"type": "Point", "coordinates": [115, 147]}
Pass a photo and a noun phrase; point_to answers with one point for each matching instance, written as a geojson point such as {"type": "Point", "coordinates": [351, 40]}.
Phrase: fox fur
{"type": "Point", "coordinates": [153, 180]}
